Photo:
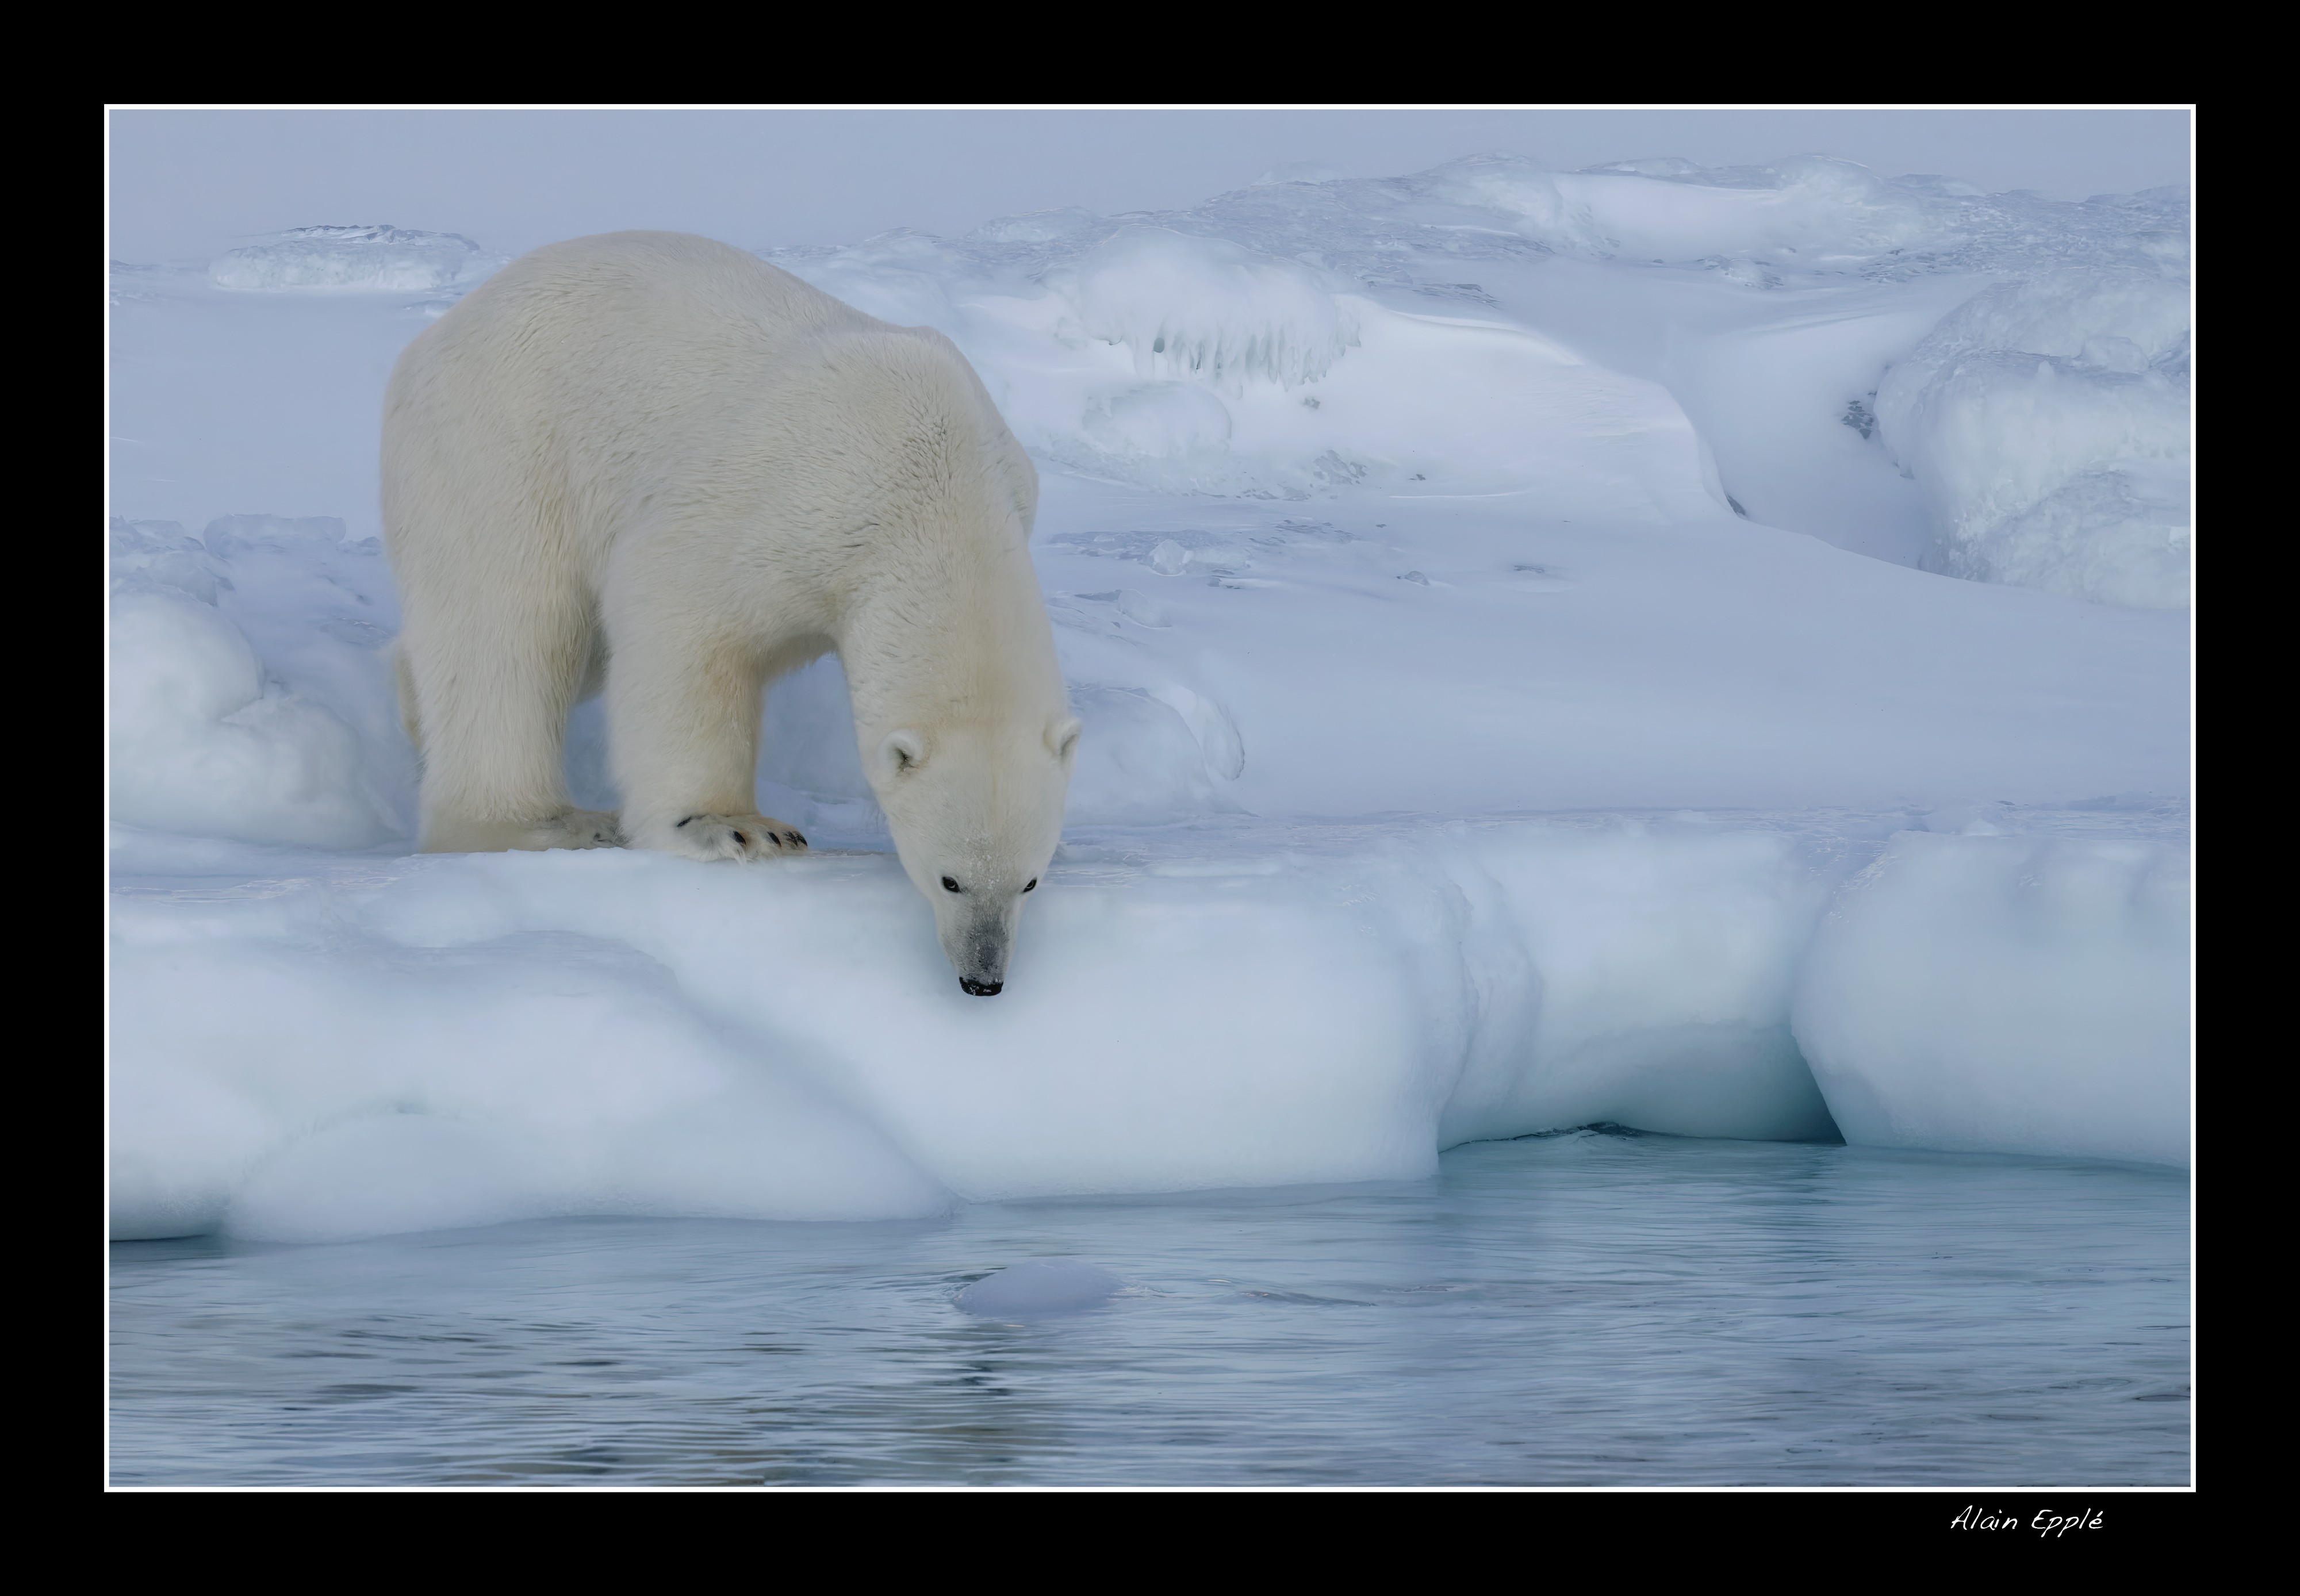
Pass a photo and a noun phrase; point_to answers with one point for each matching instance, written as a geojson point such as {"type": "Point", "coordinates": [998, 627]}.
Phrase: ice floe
{"type": "Point", "coordinates": [1483, 736]}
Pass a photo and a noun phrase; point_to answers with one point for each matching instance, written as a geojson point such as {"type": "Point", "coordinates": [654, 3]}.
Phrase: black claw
{"type": "Point", "coordinates": [741, 841]}
{"type": "Point", "coordinates": [684, 822]}
{"type": "Point", "coordinates": [796, 838]}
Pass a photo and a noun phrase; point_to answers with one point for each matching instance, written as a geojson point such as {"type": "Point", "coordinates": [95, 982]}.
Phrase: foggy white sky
{"type": "Point", "coordinates": [190, 183]}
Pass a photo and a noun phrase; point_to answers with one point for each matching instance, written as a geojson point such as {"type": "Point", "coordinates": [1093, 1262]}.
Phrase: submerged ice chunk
{"type": "Point", "coordinates": [1039, 1288]}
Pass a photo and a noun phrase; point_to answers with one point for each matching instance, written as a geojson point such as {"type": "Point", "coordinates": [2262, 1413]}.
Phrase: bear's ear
{"type": "Point", "coordinates": [901, 752]}
{"type": "Point", "coordinates": [1061, 738]}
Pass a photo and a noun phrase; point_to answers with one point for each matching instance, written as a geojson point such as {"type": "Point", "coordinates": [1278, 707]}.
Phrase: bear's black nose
{"type": "Point", "coordinates": [981, 988]}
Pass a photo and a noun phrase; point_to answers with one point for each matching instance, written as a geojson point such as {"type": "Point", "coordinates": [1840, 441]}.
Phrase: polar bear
{"type": "Point", "coordinates": [654, 463]}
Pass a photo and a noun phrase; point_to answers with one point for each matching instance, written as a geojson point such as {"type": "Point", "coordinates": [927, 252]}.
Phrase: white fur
{"type": "Point", "coordinates": [655, 459]}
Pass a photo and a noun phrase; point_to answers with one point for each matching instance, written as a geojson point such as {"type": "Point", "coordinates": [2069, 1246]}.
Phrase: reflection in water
{"type": "Point", "coordinates": [1575, 1308]}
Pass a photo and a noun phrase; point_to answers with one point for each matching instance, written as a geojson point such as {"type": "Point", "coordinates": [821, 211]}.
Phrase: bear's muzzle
{"type": "Point", "coordinates": [982, 956]}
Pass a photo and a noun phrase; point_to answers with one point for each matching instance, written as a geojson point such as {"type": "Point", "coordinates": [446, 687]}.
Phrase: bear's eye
{"type": "Point", "coordinates": [949, 885]}
{"type": "Point", "coordinates": [1032, 882]}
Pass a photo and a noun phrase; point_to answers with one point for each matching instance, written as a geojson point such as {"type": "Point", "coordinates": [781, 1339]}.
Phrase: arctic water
{"type": "Point", "coordinates": [1581, 1308]}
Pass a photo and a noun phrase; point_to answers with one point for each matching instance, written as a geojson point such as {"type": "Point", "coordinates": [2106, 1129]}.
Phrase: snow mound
{"type": "Point", "coordinates": [354, 260]}
{"type": "Point", "coordinates": [2048, 423]}
{"type": "Point", "coordinates": [207, 737]}
{"type": "Point", "coordinates": [2011, 995]}
{"type": "Point", "coordinates": [1189, 363]}
{"type": "Point", "coordinates": [1308, 338]}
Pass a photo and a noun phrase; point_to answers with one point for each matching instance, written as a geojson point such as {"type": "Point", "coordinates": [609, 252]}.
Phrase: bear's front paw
{"type": "Point", "coordinates": [729, 836]}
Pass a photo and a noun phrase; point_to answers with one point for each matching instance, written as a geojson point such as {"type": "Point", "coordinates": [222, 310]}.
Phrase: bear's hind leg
{"type": "Point", "coordinates": [490, 700]}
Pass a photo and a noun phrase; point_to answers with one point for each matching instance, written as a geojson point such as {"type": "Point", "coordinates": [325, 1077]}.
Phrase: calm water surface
{"type": "Point", "coordinates": [1580, 1308]}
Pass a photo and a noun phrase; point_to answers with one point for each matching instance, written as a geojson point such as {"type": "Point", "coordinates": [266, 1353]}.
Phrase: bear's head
{"type": "Point", "coordinates": [976, 811]}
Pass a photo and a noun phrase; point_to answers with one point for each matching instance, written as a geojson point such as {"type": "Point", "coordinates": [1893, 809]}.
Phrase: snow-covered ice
{"type": "Point", "coordinates": [1229, 1004]}
{"type": "Point", "coordinates": [1695, 650]}
{"type": "Point", "coordinates": [1641, 330]}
